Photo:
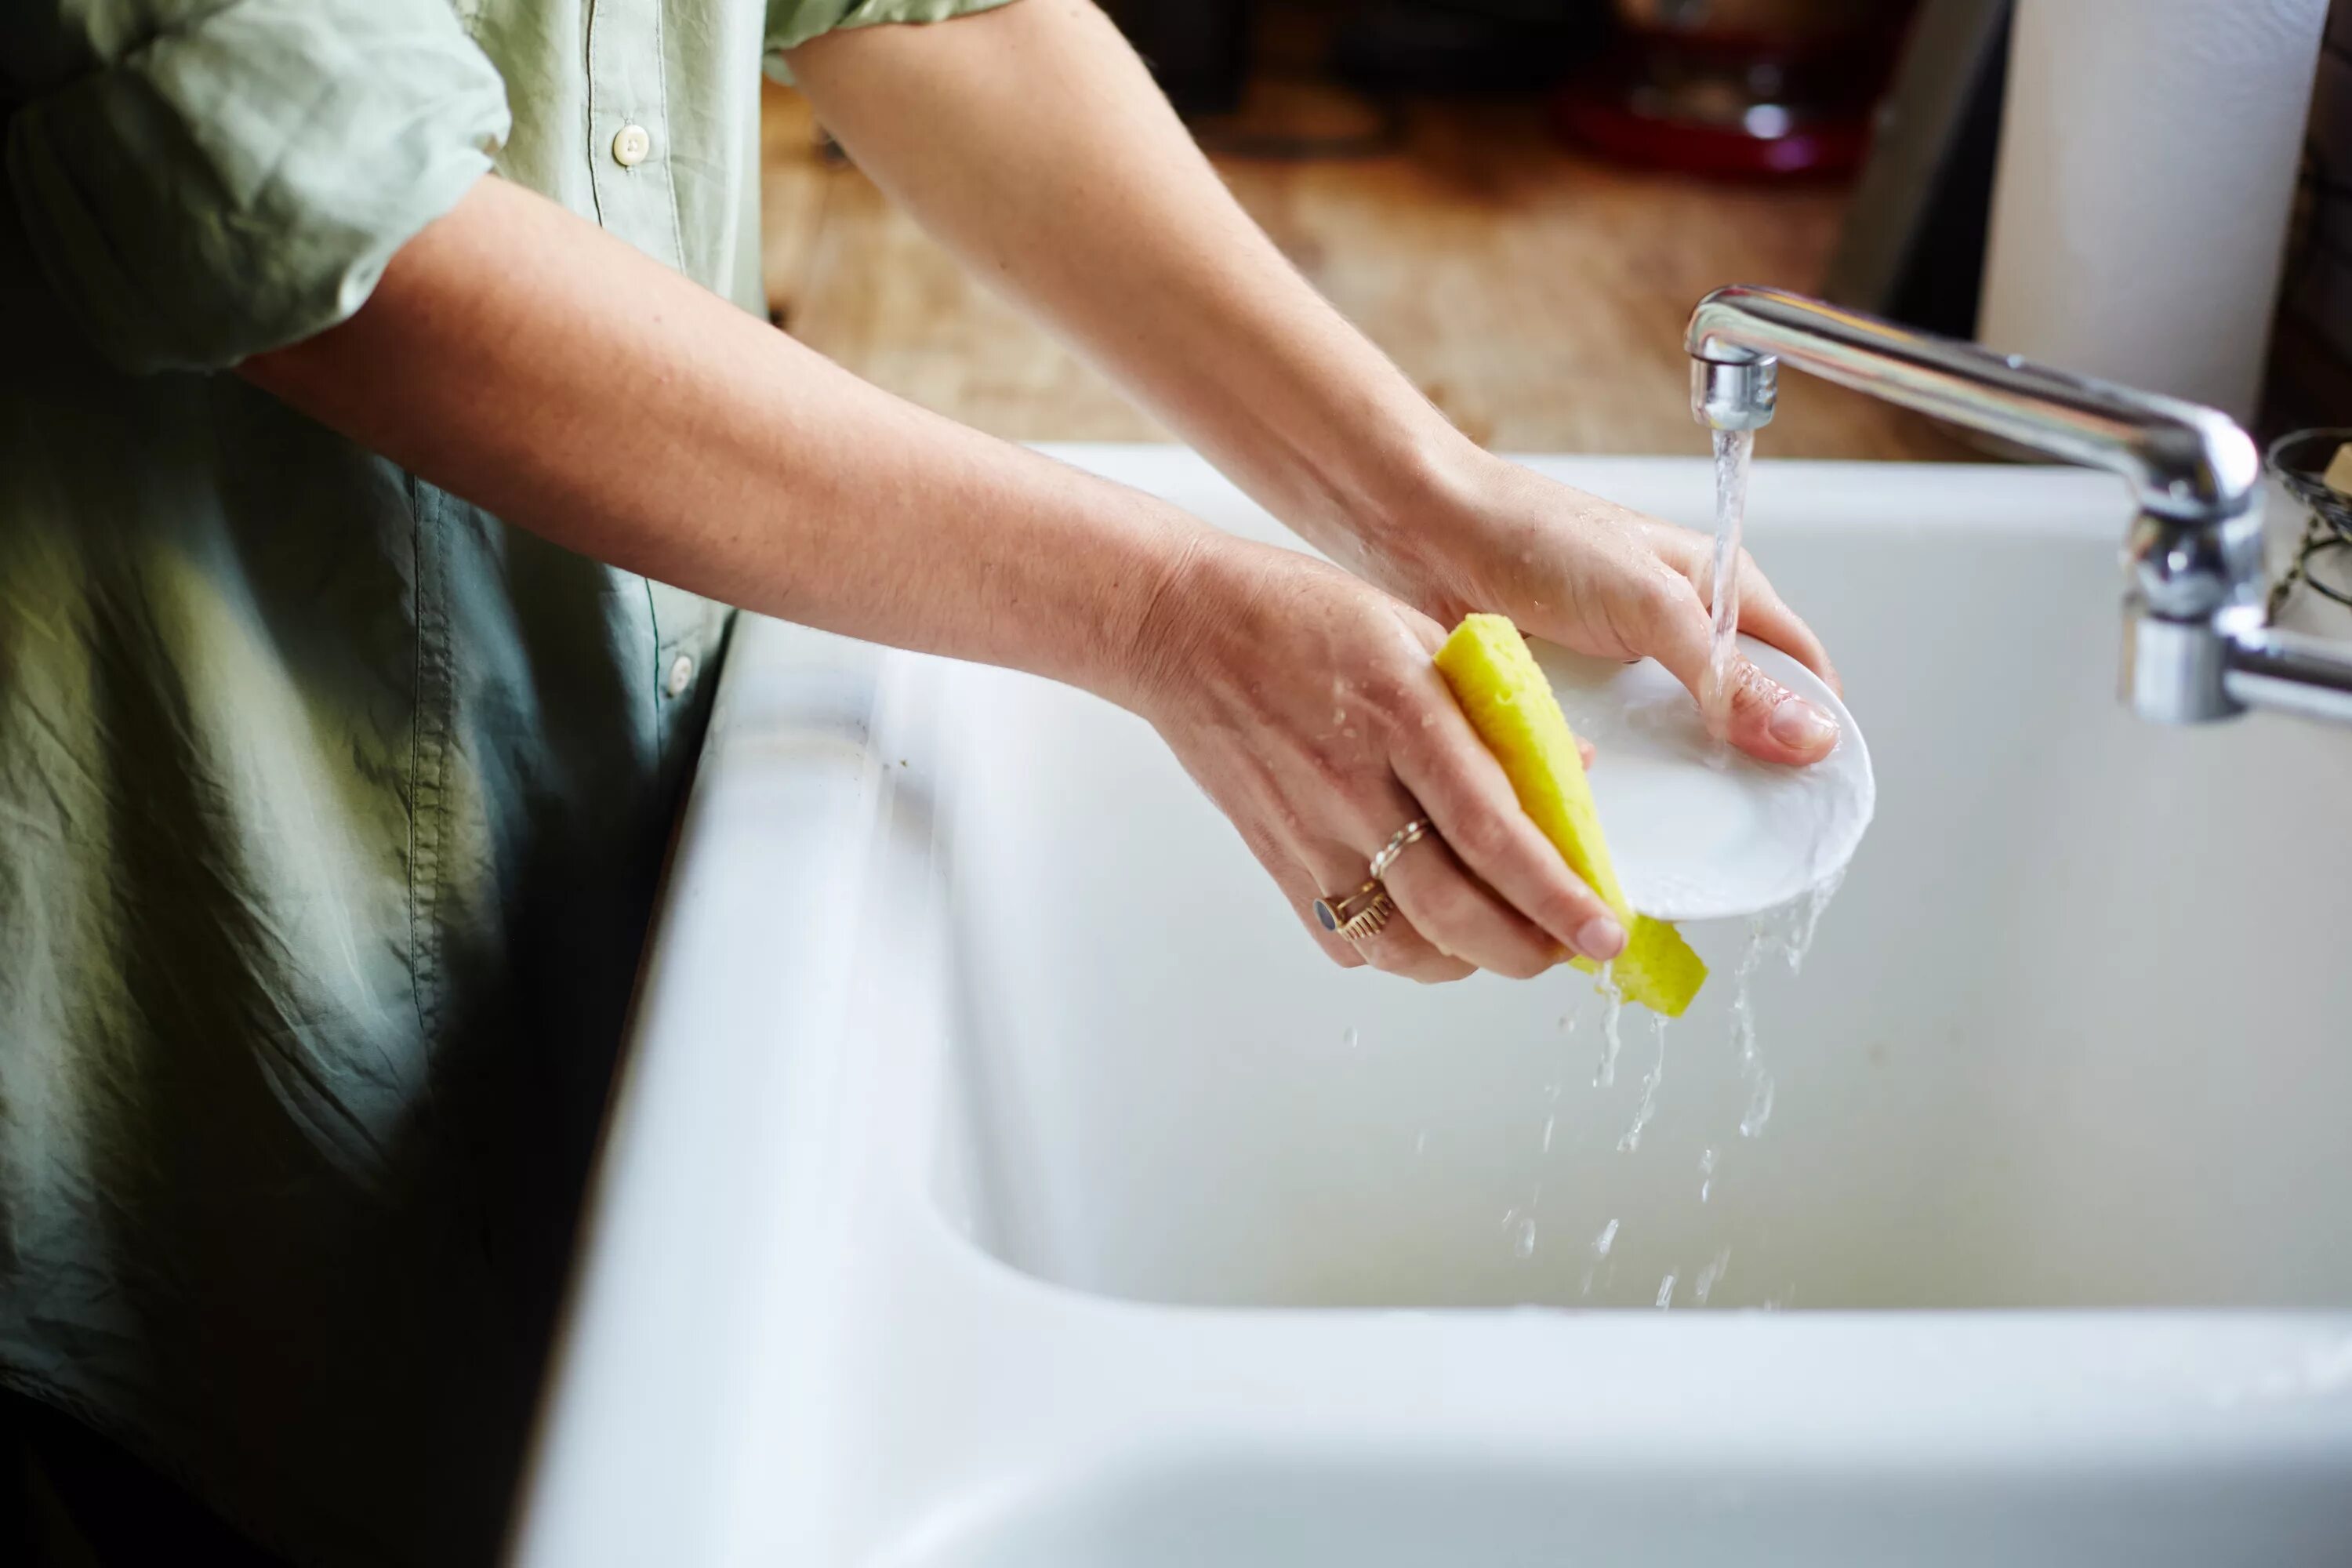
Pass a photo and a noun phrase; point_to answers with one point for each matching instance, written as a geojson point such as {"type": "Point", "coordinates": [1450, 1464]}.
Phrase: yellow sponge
{"type": "Point", "coordinates": [1510, 704]}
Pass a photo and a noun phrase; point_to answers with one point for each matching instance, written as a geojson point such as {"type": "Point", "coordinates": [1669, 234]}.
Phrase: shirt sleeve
{"type": "Point", "coordinates": [794, 22]}
{"type": "Point", "coordinates": [234, 177]}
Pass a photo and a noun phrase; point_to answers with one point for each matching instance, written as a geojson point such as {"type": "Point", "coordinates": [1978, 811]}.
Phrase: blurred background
{"type": "Point", "coordinates": [1520, 201]}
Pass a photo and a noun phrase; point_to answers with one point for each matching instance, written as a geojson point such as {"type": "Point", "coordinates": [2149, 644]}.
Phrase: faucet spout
{"type": "Point", "coordinates": [2195, 645]}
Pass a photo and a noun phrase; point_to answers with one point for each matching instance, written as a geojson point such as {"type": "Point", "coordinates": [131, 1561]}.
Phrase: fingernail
{"type": "Point", "coordinates": [1600, 939]}
{"type": "Point", "coordinates": [1802, 727]}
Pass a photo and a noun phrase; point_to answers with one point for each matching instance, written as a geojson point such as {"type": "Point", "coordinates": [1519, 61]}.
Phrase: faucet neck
{"type": "Point", "coordinates": [2183, 461]}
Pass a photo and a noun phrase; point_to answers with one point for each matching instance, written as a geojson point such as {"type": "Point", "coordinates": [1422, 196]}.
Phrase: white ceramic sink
{"type": "Point", "coordinates": [999, 1176]}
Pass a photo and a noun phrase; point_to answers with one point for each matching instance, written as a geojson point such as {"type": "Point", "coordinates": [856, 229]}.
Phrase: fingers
{"type": "Point", "coordinates": [1463, 793]}
{"type": "Point", "coordinates": [1400, 947]}
{"type": "Point", "coordinates": [1301, 888]}
{"type": "Point", "coordinates": [1448, 923]}
{"type": "Point", "coordinates": [1459, 915]}
{"type": "Point", "coordinates": [1764, 615]}
{"type": "Point", "coordinates": [1762, 718]}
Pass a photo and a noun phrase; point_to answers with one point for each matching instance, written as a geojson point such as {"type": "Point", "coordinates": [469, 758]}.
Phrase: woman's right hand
{"type": "Point", "coordinates": [1305, 702]}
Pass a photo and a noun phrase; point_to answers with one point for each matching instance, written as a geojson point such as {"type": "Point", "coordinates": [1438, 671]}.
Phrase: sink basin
{"type": "Point", "coordinates": [999, 1176]}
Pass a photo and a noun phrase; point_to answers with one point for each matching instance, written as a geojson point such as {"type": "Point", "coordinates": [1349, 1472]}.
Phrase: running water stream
{"type": "Point", "coordinates": [1733, 451]}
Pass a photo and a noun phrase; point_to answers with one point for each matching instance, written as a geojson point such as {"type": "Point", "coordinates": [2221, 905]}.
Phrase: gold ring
{"type": "Point", "coordinates": [1358, 917]}
{"type": "Point", "coordinates": [1409, 834]}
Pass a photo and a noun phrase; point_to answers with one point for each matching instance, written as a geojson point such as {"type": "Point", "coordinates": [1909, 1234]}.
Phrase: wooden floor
{"type": "Point", "coordinates": [1536, 296]}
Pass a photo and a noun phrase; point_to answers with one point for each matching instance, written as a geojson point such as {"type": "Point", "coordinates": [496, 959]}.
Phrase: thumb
{"type": "Point", "coordinates": [1761, 717]}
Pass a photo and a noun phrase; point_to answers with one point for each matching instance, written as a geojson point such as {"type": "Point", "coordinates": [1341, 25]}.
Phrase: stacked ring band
{"type": "Point", "coordinates": [1408, 835]}
{"type": "Point", "coordinates": [1359, 916]}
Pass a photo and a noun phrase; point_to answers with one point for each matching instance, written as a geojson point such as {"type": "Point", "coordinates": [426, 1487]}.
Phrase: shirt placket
{"type": "Point", "coordinates": [628, 128]}
{"type": "Point", "coordinates": [631, 171]}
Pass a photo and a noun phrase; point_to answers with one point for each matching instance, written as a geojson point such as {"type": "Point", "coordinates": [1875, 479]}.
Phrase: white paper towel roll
{"type": "Point", "coordinates": [2148, 151]}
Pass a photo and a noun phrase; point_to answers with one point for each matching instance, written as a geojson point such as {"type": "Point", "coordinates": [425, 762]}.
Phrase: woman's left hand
{"type": "Point", "coordinates": [1592, 576]}
{"type": "Point", "coordinates": [1091, 206]}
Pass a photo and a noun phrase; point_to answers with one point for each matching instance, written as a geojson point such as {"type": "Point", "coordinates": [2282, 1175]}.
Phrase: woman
{"type": "Point", "coordinates": [382, 424]}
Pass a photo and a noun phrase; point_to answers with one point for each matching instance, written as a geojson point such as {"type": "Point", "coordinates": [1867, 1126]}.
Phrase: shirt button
{"type": "Point", "coordinates": [681, 676]}
{"type": "Point", "coordinates": [631, 146]}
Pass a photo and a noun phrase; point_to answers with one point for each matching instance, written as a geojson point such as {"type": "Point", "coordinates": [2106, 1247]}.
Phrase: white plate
{"type": "Point", "coordinates": [1699, 831]}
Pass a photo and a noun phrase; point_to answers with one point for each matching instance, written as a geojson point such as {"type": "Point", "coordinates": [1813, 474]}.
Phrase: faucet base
{"type": "Point", "coordinates": [2176, 671]}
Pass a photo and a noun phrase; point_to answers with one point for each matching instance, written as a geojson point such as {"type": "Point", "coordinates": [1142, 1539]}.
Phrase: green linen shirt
{"type": "Point", "coordinates": [330, 807]}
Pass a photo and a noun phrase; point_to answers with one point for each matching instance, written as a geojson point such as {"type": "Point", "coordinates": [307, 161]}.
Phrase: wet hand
{"type": "Point", "coordinates": [1303, 700]}
{"type": "Point", "coordinates": [1593, 576]}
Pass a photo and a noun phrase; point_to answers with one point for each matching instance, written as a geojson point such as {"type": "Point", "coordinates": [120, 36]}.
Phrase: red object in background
{"type": "Point", "coordinates": [1736, 88]}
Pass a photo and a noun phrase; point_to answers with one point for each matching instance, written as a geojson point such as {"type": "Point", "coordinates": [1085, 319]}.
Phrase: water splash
{"type": "Point", "coordinates": [1743, 1028]}
{"type": "Point", "coordinates": [1734, 449]}
{"type": "Point", "coordinates": [1648, 1109]}
{"type": "Point", "coordinates": [1600, 1245]}
{"type": "Point", "coordinates": [1743, 992]}
{"type": "Point", "coordinates": [1805, 918]}
{"type": "Point", "coordinates": [1521, 1222]}
{"type": "Point", "coordinates": [1612, 1025]}
{"type": "Point", "coordinates": [1710, 1276]}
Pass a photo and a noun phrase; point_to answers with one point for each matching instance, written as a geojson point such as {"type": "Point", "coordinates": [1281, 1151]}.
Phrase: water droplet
{"type": "Point", "coordinates": [1666, 1292]}
{"type": "Point", "coordinates": [1706, 1173]}
{"type": "Point", "coordinates": [1708, 1276]}
{"type": "Point", "coordinates": [1759, 1109]}
{"type": "Point", "coordinates": [1523, 1243]}
{"type": "Point", "coordinates": [1549, 1122]}
{"type": "Point", "coordinates": [1350, 1037]}
{"type": "Point", "coordinates": [1605, 1240]}
{"type": "Point", "coordinates": [1421, 1143]}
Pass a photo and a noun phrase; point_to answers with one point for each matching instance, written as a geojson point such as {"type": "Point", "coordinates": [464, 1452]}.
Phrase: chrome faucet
{"type": "Point", "coordinates": [2196, 642]}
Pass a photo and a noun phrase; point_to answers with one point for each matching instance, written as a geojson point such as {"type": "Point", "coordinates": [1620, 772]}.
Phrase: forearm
{"type": "Point", "coordinates": [519, 356]}
{"type": "Point", "coordinates": [1067, 183]}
